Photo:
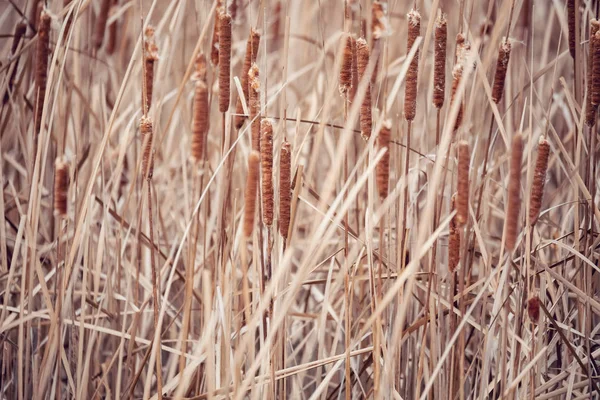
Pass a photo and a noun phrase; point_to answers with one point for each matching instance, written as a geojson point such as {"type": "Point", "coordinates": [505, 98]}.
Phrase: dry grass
{"type": "Point", "coordinates": [141, 258]}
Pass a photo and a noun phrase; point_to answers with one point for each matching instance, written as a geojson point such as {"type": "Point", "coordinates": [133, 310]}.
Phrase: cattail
{"type": "Point", "coordinates": [571, 23]}
{"type": "Point", "coordinates": [147, 152]}
{"type": "Point", "coordinates": [200, 117]}
{"type": "Point", "coordinates": [251, 54]}
{"type": "Point", "coordinates": [150, 56]}
{"type": "Point", "coordinates": [111, 43]}
{"type": "Point", "coordinates": [354, 86]}
{"type": "Point", "coordinates": [285, 188]}
{"type": "Point", "coordinates": [596, 72]}
{"type": "Point", "coordinates": [224, 61]}
{"type": "Point", "coordinates": [379, 28]}
{"type": "Point", "coordinates": [539, 180]}
{"type": "Point", "coordinates": [251, 190]}
{"type": "Point", "coordinates": [61, 187]}
{"type": "Point", "coordinates": [590, 108]}
{"type": "Point", "coordinates": [462, 198]}
{"type": "Point", "coordinates": [410, 95]}
{"type": "Point", "coordinates": [453, 238]}
{"type": "Point", "coordinates": [501, 68]}
{"type": "Point", "coordinates": [383, 167]}
{"type": "Point", "coordinates": [514, 192]}
{"type": "Point", "coordinates": [346, 70]}
{"type": "Point", "coordinates": [101, 23]}
{"type": "Point", "coordinates": [439, 65]}
{"type": "Point", "coordinates": [362, 57]}
{"type": "Point", "coordinates": [462, 49]}
{"type": "Point", "coordinates": [533, 309]}
{"type": "Point", "coordinates": [214, 47]}
{"type": "Point", "coordinates": [254, 105]}
{"type": "Point", "coordinates": [457, 73]}
{"type": "Point", "coordinates": [266, 162]}
{"type": "Point", "coordinates": [41, 69]}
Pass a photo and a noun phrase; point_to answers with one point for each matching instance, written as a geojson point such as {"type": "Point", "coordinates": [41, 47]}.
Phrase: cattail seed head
{"type": "Point", "coordinates": [101, 23]}
{"type": "Point", "coordinates": [250, 58]}
{"type": "Point", "coordinates": [355, 78]}
{"type": "Point", "coordinates": [148, 150]}
{"type": "Point", "coordinates": [463, 47]}
{"type": "Point", "coordinates": [224, 61]}
{"type": "Point", "coordinates": [379, 24]}
{"type": "Point", "coordinates": [514, 192]}
{"type": "Point", "coordinates": [61, 187]}
{"type": "Point", "coordinates": [533, 309]}
{"type": "Point", "coordinates": [539, 180]}
{"type": "Point", "coordinates": [150, 56]}
{"type": "Point", "coordinates": [462, 198]}
{"type": "Point", "coordinates": [346, 69]}
{"type": "Point", "coordinates": [439, 65]}
{"type": "Point", "coordinates": [501, 68]}
{"type": "Point", "coordinates": [214, 47]}
{"type": "Point", "coordinates": [596, 71]}
{"type": "Point", "coordinates": [457, 73]}
{"type": "Point", "coordinates": [410, 95]}
{"type": "Point", "coordinates": [571, 25]}
{"type": "Point", "coordinates": [41, 69]}
{"type": "Point", "coordinates": [266, 161]}
{"type": "Point", "coordinates": [200, 119]}
{"type": "Point", "coordinates": [250, 194]}
{"type": "Point", "coordinates": [590, 108]}
{"type": "Point", "coordinates": [453, 238]}
{"type": "Point", "coordinates": [382, 170]}
{"type": "Point", "coordinates": [362, 56]}
{"type": "Point", "coordinates": [285, 188]}
{"type": "Point", "coordinates": [254, 105]}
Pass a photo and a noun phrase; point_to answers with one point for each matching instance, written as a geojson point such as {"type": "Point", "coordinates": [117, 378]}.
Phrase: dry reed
{"type": "Point", "coordinates": [453, 238]}
{"type": "Point", "coordinates": [266, 160]}
{"type": "Point", "coordinates": [251, 191]}
{"type": "Point", "coordinates": [514, 192]}
{"type": "Point", "coordinates": [150, 57]}
{"type": "Point", "coordinates": [101, 23]}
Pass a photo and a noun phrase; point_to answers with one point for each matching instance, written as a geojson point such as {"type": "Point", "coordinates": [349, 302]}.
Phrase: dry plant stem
{"type": "Point", "coordinates": [347, 65]}
{"type": "Point", "coordinates": [405, 202]}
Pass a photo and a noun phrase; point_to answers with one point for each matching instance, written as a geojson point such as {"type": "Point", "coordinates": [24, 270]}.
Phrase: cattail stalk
{"type": "Point", "coordinates": [101, 23]}
{"type": "Point", "coordinates": [382, 169]}
{"type": "Point", "coordinates": [224, 61]}
{"type": "Point", "coordinates": [61, 187]}
{"type": "Point", "coordinates": [501, 68]}
{"type": "Point", "coordinates": [266, 160]}
{"type": "Point", "coordinates": [462, 197]}
{"type": "Point", "coordinates": [41, 69]}
{"type": "Point", "coordinates": [150, 56]}
{"type": "Point", "coordinates": [250, 58]}
{"type": "Point", "coordinates": [539, 180]}
{"type": "Point", "coordinates": [362, 56]}
{"type": "Point", "coordinates": [514, 192]}
{"type": "Point", "coordinates": [346, 69]}
{"type": "Point", "coordinates": [453, 238]}
{"type": "Point", "coordinates": [251, 191]}
{"type": "Point", "coordinates": [285, 188]}
{"type": "Point", "coordinates": [439, 65]}
{"type": "Point", "coordinates": [254, 105]}
{"type": "Point", "coordinates": [410, 95]}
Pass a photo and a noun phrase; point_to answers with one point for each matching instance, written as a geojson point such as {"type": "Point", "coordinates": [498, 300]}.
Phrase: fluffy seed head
{"type": "Point", "coordinates": [250, 58]}
{"type": "Point", "coordinates": [254, 105]}
{"type": "Point", "coordinates": [285, 188]}
{"type": "Point", "coordinates": [439, 65]}
{"type": "Point", "coordinates": [514, 192]}
{"type": "Point", "coordinates": [250, 194]}
{"type": "Point", "coordinates": [539, 180]}
{"type": "Point", "coordinates": [61, 187]}
{"type": "Point", "coordinates": [148, 147]}
{"type": "Point", "coordinates": [383, 167]}
{"type": "Point", "coordinates": [457, 73]}
{"type": "Point", "coordinates": [362, 56]}
{"type": "Point", "coordinates": [224, 62]}
{"type": "Point", "coordinates": [410, 96]}
{"type": "Point", "coordinates": [214, 47]}
{"type": "Point", "coordinates": [266, 161]}
{"type": "Point", "coordinates": [501, 68]}
{"type": "Point", "coordinates": [379, 22]}
{"type": "Point", "coordinates": [462, 198]}
{"type": "Point", "coordinates": [346, 69]}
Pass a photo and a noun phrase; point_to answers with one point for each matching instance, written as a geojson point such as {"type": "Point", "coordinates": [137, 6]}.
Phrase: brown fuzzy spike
{"type": "Point", "coordinates": [439, 65]}
{"type": "Point", "coordinates": [453, 239]}
{"type": "Point", "coordinates": [379, 29]}
{"type": "Point", "coordinates": [285, 188]}
{"type": "Point", "coordinates": [457, 73]}
{"type": "Point", "coordinates": [224, 62]}
{"type": "Point", "coordinates": [590, 108]}
{"type": "Point", "coordinates": [533, 309]}
{"type": "Point", "coordinates": [462, 199]}
{"type": "Point", "coordinates": [148, 151]}
{"type": "Point", "coordinates": [251, 54]}
{"type": "Point", "coordinates": [266, 161]}
{"type": "Point", "coordinates": [596, 72]}
{"type": "Point", "coordinates": [382, 170]}
{"type": "Point", "coordinates": [151, 56]}
{"type": "Point", "coordinates": [539, 180]}
{"type": "Point", "coordinates": [214, 47]}
{"type": "Point", "coordinates": [254, 105]}
{"type": "Point", "coordinates": [42, 51]}
{"type": "Point", "coordinates": [354, 86]}
{"type": "Point", "coordinates": [514, 192]}
{"type": "Point", "coordinates": [101, 23]}
{"type": "Point", "coordinates": [61, 187]}
{"type": "Point", "coordinates": [571, 23]}
{"type": "Point", "coordinates": [346, 69]}
{"type": "Point", "coordinates": [250, 194]}
{"type": "Point", "coordinates": [362, 56]}
{"type": "Point", "coordinates": [200, 120]}
{"type": "Point", "coordinates": [410, 95]}
{"type": "Point", "coordinates": [501, 69]}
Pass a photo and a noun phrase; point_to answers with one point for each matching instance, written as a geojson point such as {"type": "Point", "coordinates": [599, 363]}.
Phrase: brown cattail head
{"type": "Point", "coordinates": [200, 119]}
{"type": "Point", "coordinates": [354, 86]}
{"type": "Point", "coordinates": [379, 23]}
{"type": "Point", "coordinates": [539, 180]}
{"type": "Point", "coordinates": [251, 190]}
{"type": "Point", "coordinates": [61, 187]}
{"type": "Point", "coordinates": [101, 23]}
{"type": "Point", "coordinates": [148, 151]}
{"type": "Point", "coordinates": [596, 71]}
{"type": "Point", "coordinates": [501, 68]}
{"type": "Point", "coordinates": [362, 57]}
{"type": "Point", "coordinates": [410, 95]}
{"type": "Point", "coordinates": [266, 162]}
{"type": "Point", "coordinates": [439, 65]}
{"type": "Point", "coordinates": [590, 108]}
{"type": "Point", "coordinates": [346, 69]}
{"type": "Point", "coordinates": [383, 167]}
{"type": "Point", "coordinates": [41, 68]}
{"type": "Point", "coordinates": [285, 188]}
{"type": "Point", "coordinates": [453, 238]}
{"type": "Point", "coordinates": [251, 54]}
{"type": "Point", "coordinates": [571, 23]}
{"type": "Point", "coordinates": [462, 198]}
{"type": "Point", "coordinates": [254, 105]}
{"type": "Point", "coordinates": [224, 61]}
{"type": "Point", "coordinates": [463, 47]}
{"type": "Point", "coordinates": [533, 309]}
{"type": "Point", "coordinates": [457, 73]}
{"type": "Point", "coordinates": [214, 47]}
{"type": "Point", "coordinates": [514, 192]}
{"type": "Point", "coordinates": [150, 56]}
